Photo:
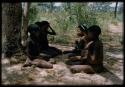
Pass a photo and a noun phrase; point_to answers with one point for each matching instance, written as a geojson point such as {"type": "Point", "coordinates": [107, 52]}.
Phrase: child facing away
{"type": "Point", "coordinates": [33, 48]}
{"type": "Point", "coordinates": [46, 50]}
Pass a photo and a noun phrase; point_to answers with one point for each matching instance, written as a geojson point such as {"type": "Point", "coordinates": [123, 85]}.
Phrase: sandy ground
{"type": "Point", "coordinates": [61, 75]}
{"type": "Point", "coordinates": [116, 28]}
{"type": "Point", "coordinates": [14, 73]}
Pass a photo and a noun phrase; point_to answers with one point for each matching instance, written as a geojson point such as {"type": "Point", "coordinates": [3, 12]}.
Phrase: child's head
{"type": "Point", "coordinates": [94, 32]}
{"type": "Point", "coordinates": [82, 30]}
{"type": "Point", "coordinates": [44, 25]}
{"type": "Point", "coordinates": [38, 23]}
{"type": "Point", "coordinates": [34, 29]}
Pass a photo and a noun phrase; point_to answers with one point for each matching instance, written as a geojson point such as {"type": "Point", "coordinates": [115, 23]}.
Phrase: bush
{"type": "Point", "coordinates": [64, 22]}
{"type": "Point", "coordinates": [33, 13]}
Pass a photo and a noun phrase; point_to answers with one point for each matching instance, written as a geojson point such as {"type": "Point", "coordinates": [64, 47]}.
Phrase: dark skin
{"type": "Point", "coordinates": [91, 55]}
{"type": "Point", "coordinates": [46, 50]}
{"type": "Point", "coordinates": [95, 50]}
{"type": "Point", "coordinates": [78, 42]}
{"type": "Point", "coordinates": [32, 44]}
{"type": "Point", "coordinates": [51, 32]}
{"type": "Point", "coordinates": [84, 51]}
{"type": "Point", "coordinates": [33, 50]}
{"type": "Point", "coordinates": [79, 45]}
{"type": "Point", "coordinates": [74, 55]}
{"type": "Point", "coordinates": [45, 29]}
{"type": "Point", "coordinates": [81, 35]}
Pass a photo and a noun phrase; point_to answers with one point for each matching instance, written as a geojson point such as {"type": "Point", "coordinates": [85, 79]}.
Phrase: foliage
{"type": "Point", "coordinates": [65, 20]}
{"type": "Point", "coordinates": [33, 12]}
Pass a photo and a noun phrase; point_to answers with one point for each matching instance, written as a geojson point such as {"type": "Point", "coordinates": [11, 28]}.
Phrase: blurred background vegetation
{"type": "Point", "coordinates": [65, 17]}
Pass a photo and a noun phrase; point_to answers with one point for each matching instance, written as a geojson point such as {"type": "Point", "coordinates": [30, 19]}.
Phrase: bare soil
{"type": "Point", "coordinates": [14, 73]}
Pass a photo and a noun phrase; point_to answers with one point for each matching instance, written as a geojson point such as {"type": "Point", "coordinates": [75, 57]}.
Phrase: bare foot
{"type": "Point", "coordinates": [82, 68]}
{"type": "Point", "coordinates": [27, 63]}
{"type": "Point", "coordinates": [42, 63]}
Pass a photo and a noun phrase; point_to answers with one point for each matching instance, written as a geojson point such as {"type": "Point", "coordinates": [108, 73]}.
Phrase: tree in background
{"type": "Point", "coordinates": [51, 7]}
{"type": "Point", "coordinates": [11, 27]}
{"type": "Point", "coordinates": [116, 9]}
{"type": "Point", "coordinates": [66, 16]}
{"type": "Point", "coordinates": [25, 22]}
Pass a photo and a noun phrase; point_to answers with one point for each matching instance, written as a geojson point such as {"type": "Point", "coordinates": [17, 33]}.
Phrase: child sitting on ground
{"type": "Point", "coordinates": [33, 50]}
{"type": "Point", "coordinates": [79, 43]}
{"type": "Point", "coordinates": [92, 54]}
{"type": "Point", "coordinates": [46, 50]}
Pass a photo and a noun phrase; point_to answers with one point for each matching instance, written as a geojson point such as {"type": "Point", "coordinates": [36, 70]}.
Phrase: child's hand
{"type": "Point", "coordinates": [89, 44]}
{"type": "Point", "coordinates": [84, 53]}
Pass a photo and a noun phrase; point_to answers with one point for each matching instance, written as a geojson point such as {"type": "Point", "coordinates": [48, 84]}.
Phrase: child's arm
{"type": "Point", "coordinates": [97, 56]}
{"type": "Point", "coordinates": [84, 52]}
{"type": "Point", "coordinates": [80, 43]}
{"type": "Point", "coordinates": [52, 31]}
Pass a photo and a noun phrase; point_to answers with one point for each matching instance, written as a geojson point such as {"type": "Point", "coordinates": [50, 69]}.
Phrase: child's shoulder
{"type": "Point", "coordinates": [83, 37]}
{"type": "Point", "coordinates": [30, 42]}
{"type": "Point", "coordinates": [98, 42]}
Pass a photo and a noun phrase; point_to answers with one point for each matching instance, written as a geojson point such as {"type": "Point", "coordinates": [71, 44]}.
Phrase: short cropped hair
{"type": "Point", "coordinates": [33, 27]}
{"type": "Point", "coordinates": [82, 28]}
{"type": "Point", "coordinates": [95, 29]}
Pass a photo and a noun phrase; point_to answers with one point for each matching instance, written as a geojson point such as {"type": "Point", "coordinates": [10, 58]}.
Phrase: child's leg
{"type": "Point", "coordinates": [42, 63]}
{"type": "Point", "coordinates": [82, 68]}
{"type": "Point", "coordinates": [28, 62]}
{"type": "Point", "coordinates": [58, 51]}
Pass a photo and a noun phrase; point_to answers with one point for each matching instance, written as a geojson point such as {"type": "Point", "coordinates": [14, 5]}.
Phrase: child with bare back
{"type": "Point", "coordinates": [92, 54]}
{"type": "Point", "coordinates": [33, 49]}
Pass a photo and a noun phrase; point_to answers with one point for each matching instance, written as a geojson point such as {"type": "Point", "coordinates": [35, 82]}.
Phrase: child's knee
{"type": "Point", "coordinates": [82, 68]}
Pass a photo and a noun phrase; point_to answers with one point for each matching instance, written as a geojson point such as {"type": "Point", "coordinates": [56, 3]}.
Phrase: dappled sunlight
{"type": "Point", "coordinates": [64, 18]}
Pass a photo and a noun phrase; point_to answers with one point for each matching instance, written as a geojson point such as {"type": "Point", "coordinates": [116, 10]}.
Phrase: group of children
{"type": "Point", "coordinates": [88, 46]}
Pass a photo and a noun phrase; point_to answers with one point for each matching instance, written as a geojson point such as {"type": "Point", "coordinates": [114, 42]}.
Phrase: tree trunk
{"type": "Point", "coordinates": [116, 9]}
{"type": "Point", "coordinates": [25, 23]}
{"type": "Point", "coordinates": [11, 27]}
{"type": "Point", "coordinates": [69, 10]}
{"type": "Point", "coordinates": [51, 7]}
